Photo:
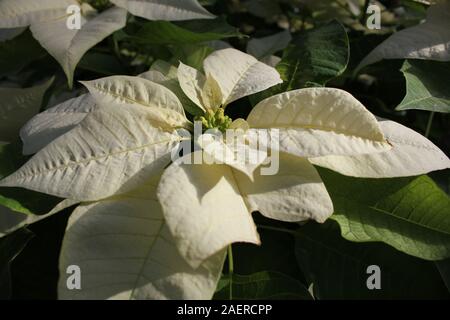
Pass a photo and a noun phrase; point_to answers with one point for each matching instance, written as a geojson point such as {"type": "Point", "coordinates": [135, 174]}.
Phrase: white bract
{"type": "Point", "coordinates": [264, 48]}
{"type": "Point", "coordinates": [412, 154]}
{"type": "Point", "coordinates": [126, 251]}
{"type": "Point", "coordinates": [165, 9]}
{"type": "Point", "coordinates": [48, 21]}
{"type": "Point", "coordinates": [149, 228]}
{"type": "Point", "coordinates": [429, 40]}
{"type": "Point", "coordinates": [54, 122]}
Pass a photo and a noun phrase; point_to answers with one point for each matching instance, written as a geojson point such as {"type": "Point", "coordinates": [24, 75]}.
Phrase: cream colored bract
{"type": "Point", "coordinates": [429, 40]}
{"type": "Point", "coordinates": [147, 228]}
{"type": "Point", "coordinates": [165, 9]}
{"type": "Point", "coordinates": [47, 20]}
{"type": "Point", "coordinates": [48, 23]}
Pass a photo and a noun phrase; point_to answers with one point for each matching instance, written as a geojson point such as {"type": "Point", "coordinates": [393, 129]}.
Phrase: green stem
{"type": "Point", "coordinates": [291, 232]}
{"type": "Point", "coordinates": [230, 270]}
{"type": "Point", "coordinates": [230, 255]}
{"type": "Point", "coordinates": [114, 46]}
{"type": "Point", "coordinates": [430, 122]}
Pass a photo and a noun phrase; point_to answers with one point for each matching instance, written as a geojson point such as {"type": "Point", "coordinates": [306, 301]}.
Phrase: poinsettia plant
{"type": "Point", "coordinates": [194, 159]}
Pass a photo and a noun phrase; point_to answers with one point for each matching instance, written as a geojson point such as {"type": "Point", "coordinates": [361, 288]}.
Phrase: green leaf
{"type": "Point", "coordinates": [17, 53]}
{"type": "Point", "coordinates": [223, 282]}
{"type": "Point", "coordinates": [17, 199]}
{"type": "Point", "coordinates": [104, 64]}
{"type": "Point", "coordinates": [27, 201]}
{"type": "Point", "coordinates": [410, 214]}
{"type": "Point", "coordinates": [426, 86]}
{"type": "Point", "coordinates": [338, 268]}
{"type": "Point", "coordinates": [17, 106]}
{"type": "Point", "coordinates": [317, 56]}
{"type": "Point", "coordinates": [251, 260]}
{"type": "Point", "coordinates": [186, 32]}
{"type": "Point", "coordinates": [314, 57]}
{"type": "Point", "coordinates": [262, 285]}
{"type": "Point", "coordinates": [10, 158]}
{"type": "Point", "coordinates": [35, 270]}
{"type": "Point", "coordinates": [192, 55]}
{"type": "Point", "coordinates": [170, 81]}
{"type": "Point", "coordinates": [11, 221]}
{"type": "Point", "coordinates": [10, 248]}
{"type": "Point", "coordinates": [260, 258]}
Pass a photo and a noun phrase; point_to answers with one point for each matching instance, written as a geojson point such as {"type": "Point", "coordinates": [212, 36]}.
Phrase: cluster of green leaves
{"type": "Point", "coordinates": [376, 215]}
{"type": "Point", "coordinates": [401, 224]}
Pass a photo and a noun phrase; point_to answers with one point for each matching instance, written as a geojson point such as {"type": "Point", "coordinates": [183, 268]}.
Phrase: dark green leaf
{"type": "Point", "coordinates": [338, 268]}
{"type": "Point", "coordinates": [11, 158]}
{"type": "Point", "coordinates": [192, 55]}
{"type": "Point", "coordinates": [104, 64]}
{"type": "Point", "coordinates": [16, 53]}
{"type": "Point", "coordinates": [316, 56]}
{"type": "Point", "coordinates": [426, 86]}
{"type": "Point", "coordinates": [186, 32]}
{"type": "Point", "coordinates": [410, 214]}
{"type": "Point", "coordinates": [35, 270]}
{"type": "Point", "coordinates": [17, 199]}
{"type": "Point", "coordinates": [18, 105]}
{"type": "Point", "coordinates": [263, 285]}
{"type": "Point", "coordinates": [10, 247]}
{"type": "Point", "coordinates": [251, 259]}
